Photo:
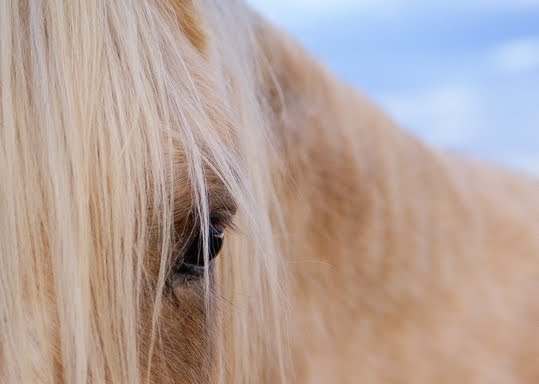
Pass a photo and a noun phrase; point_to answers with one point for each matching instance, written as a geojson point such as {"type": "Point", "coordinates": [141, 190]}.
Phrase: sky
{"type": "Point", "coordinates": [461, 74]}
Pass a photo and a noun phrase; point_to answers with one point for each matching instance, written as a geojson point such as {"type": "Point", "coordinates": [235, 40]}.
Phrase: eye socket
{"type": "Point", "coordinates": [193, 260]}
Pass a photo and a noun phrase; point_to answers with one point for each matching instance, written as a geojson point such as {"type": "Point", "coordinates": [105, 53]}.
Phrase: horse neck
{"type": "Point", "coordinates": [346, 165]}
{"type": "Point", "coordinates": [374, 219]}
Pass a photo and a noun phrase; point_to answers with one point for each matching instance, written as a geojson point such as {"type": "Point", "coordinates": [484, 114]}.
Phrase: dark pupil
{"type": "Point", "coordinates": [195, 254]}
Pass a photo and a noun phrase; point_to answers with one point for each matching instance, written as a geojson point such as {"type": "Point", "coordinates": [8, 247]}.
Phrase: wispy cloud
{"type": "Point", "coordinates": [516, 56]}
{"type": "Point", "coordinates": [448, 115]}
{"type": "Point", "coordinates": [528, 163]}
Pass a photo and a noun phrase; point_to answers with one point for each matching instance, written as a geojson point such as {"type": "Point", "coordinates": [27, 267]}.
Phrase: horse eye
{"type": "Point", "coordinates": [193, 261]}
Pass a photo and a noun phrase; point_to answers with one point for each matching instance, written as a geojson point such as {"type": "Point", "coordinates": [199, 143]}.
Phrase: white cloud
{"type": "Point", "coordinates": [528, 163]}
{"type": "Point", "coordinates": [516, 56]}
{"type": "Point", "coordinates": [449, 115]}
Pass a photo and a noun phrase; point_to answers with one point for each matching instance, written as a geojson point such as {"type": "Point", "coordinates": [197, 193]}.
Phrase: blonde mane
{"type": "Point", "coordinates": [105, 126]}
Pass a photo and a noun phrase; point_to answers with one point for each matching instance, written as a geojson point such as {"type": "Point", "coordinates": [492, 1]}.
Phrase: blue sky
{"type": "Point", "coordinates": [462, 74]}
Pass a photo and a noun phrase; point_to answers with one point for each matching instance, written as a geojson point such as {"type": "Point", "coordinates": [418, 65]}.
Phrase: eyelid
{"type": "Point", "coordinates": [223, 219]}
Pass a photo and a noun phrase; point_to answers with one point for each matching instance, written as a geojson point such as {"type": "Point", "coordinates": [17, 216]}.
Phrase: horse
{"type": "Point", "coordinates": [187, 196]}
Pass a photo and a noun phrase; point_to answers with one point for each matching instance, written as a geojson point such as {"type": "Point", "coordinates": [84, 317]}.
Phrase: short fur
{"type": "Point", "coordinates": [354, 253]}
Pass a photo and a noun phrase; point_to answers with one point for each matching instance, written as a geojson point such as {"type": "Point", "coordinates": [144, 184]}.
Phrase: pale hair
{"type": "Point", "coordinates": [99, 111]}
